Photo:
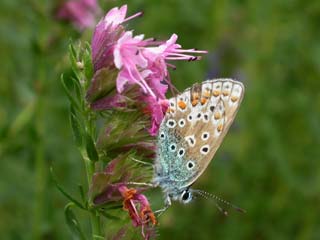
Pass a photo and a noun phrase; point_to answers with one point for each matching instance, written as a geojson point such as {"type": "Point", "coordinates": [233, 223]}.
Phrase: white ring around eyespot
{"type": "Point", "coordinates": [205, 136]}
{"type": "Point", "coordinates": [181, 154]}
{"type": "Point", "coordinates": [190, 163]}
{"type": "Point", "coordinates": [203, 118]}
{"type": "Point", "coordinates": [182, 122]}
{"type": "Point", "coordinates": [173, 147]}
{"type": "Point", "coordinates": [162, 135]}
{"type": "Point", "coordinates": [171, 123]}
{"type": "Point", "coordinates": [191, 140]}
{"type": "Point", "coordinates": [203, 148]}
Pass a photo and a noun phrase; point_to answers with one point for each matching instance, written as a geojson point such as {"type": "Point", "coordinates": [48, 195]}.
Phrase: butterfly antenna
{"type": "Point", "coordinates": [212, 196]}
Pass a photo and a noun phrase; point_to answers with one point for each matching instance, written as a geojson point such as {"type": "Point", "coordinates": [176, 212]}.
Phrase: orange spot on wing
{"type": "Point", "coordinates": [182, 105]}
{"type": "Point", "coordinates": [194, 102]}
{"type": "Point", "coordinates": [206, 94]}
{"type": "Point", "coordinates": [217, 115]}
{"type": "Point", "coordinates": [216, 93]}
{"type": "Point", "coordinates": [225, 93]}
{"type": "Point", "coordinates": [203, 100]}
{"type": "Point", "coordinates": [234, 98]}
{"type": "Point", "coordinates": [219, 128]}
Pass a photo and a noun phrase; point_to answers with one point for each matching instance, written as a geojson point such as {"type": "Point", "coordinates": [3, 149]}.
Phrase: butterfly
{"type": "Point", "coordinates": [190, 134]}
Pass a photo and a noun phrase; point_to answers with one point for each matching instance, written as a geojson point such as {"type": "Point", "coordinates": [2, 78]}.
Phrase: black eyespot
{"type": "Point", "coordinates": [199, 115]}
{"type": "Point", "coordinates": [173, 147]}
{"type": "Point", "coordinates": [185, 196]}
{"type": "Point", "coordinates": [205, 149]}
{"type": "Point", "coordinates": [181, 152]}
{"type": "Point", "coordinates": [190, 117]}
{"type": "Point", "coordinates": [182, 122]}
{"type": "Point", "coordinates": [190, 165]}
{"type": "Point", "coordinates": [211, 108]}
{"type": "Point", "coordinates": [191, 141]}
{"type": "Point", "coordinates": [162, 135]}
{"type": "Point", "coordinates": [205, 136]}
{"type": "Point", "coordinates": [206, 117]}
{"type": "Point", "coordinates": [171, 123]}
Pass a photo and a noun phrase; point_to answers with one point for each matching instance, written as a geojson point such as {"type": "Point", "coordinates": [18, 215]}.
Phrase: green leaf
{"type": "Point", "coordinates": [87, 61]}
{"type": "Point", "coordinates": [76, 128]}
{"type": "Point", "coordinates": [67, 195]}
{"type": "Point", "coordinates": [83, 198]}
{"type": "Point", "coordinates": [73, 223]}
{"type": "Point", "coordinates": [69, 94]}
{"type": "Point", "coordinates": [78, 88]}
{"type": "Point", "coordinates": [74, 59]}
{"type": "Point", "coordinates": [91, 149]}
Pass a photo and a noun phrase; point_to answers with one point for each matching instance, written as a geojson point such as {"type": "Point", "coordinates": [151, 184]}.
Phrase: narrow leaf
{"type": "Point", "coordinates": [73, 223]}
{"type": "Point", "coordinates": [76, 128]}
{"type": "Point", "coordinates": [91, 149]}
{"type": "Point", "coordinates": [67, 195]}
{"type": "Point", "coordinates": [87, 61]}
{"type": "Point", "coordinates": [73, 59]}
{"type": "Point", "coordinates": [69, 94]}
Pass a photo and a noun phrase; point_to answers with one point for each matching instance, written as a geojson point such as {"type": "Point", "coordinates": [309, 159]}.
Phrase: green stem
{"type": "Point", "coordinates": [90, 170]}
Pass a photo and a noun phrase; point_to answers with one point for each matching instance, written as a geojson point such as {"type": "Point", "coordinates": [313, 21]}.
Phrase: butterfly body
{"type": "Point", "coordinates": [191, 132]}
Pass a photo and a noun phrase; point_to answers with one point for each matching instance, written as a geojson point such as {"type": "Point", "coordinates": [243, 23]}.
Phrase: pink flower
{"type": "Point", "coordinates": [106, 34]}
{"type": "Point", "coordinates": [139, 210]}
{"type": "Point", "coordinates": [82, 13]}
{"type": "Point", "coordinates": [156, 109]}
{"type": "Point", "coordinates": [139, 61]}
{"type": "Point", "coordinates": [131, 63]}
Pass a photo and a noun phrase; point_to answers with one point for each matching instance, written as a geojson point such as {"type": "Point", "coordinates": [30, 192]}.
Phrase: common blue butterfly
{"type": "Point", "coordinates": [190, 134]}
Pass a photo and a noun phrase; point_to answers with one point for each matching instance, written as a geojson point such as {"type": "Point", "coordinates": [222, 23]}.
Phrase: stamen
{"type": "Point", "coordinates": [139, 14]}
{"type": "Point", "coordinates": [190, 51]}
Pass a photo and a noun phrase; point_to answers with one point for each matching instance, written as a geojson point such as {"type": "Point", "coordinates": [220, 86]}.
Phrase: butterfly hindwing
{"type": "Point", "coordinates": [195, 124]}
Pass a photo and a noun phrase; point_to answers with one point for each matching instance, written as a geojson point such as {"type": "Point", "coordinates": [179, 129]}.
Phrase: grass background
{"type": "Point", "coordinates": [268, 164]}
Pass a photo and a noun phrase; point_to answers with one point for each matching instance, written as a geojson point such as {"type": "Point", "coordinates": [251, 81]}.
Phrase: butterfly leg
{"type": "Point", "coordinates": [167, 205]}
{"type": "Point", "coordinates": [142, 184]}
{"type": "Point", "coordinates": [142, 162]}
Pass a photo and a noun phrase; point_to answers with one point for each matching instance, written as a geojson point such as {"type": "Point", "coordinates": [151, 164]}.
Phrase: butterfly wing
{"type": "Point", "coordinates": [195, 125]}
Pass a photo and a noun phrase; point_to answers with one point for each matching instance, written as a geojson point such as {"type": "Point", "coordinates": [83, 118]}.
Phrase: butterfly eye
{"type": "Point", "coordinates": [186, 196]}
{"type": "Point", "coordinates": [204, 150]}
{"type": "Point", "coordinates": [190, 165]}
{"type": "Point", "coordinates": [181, 152]}
{"type": "Point", "coordinates": [205, 136]}
{"type": "Point", "coordinates": [173, 147]}
{"type": "Point", "coordinates": [182, 123]}
{"type": "Point", "coordinates": [162, 136]}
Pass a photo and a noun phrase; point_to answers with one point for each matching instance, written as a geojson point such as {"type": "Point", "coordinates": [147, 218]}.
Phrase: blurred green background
{"type": "Point", "coordinates": [268, 164]}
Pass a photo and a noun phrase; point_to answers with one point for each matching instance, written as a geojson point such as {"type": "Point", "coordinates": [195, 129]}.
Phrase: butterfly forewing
{"type": "Point", "coordinates": [196, 122]}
